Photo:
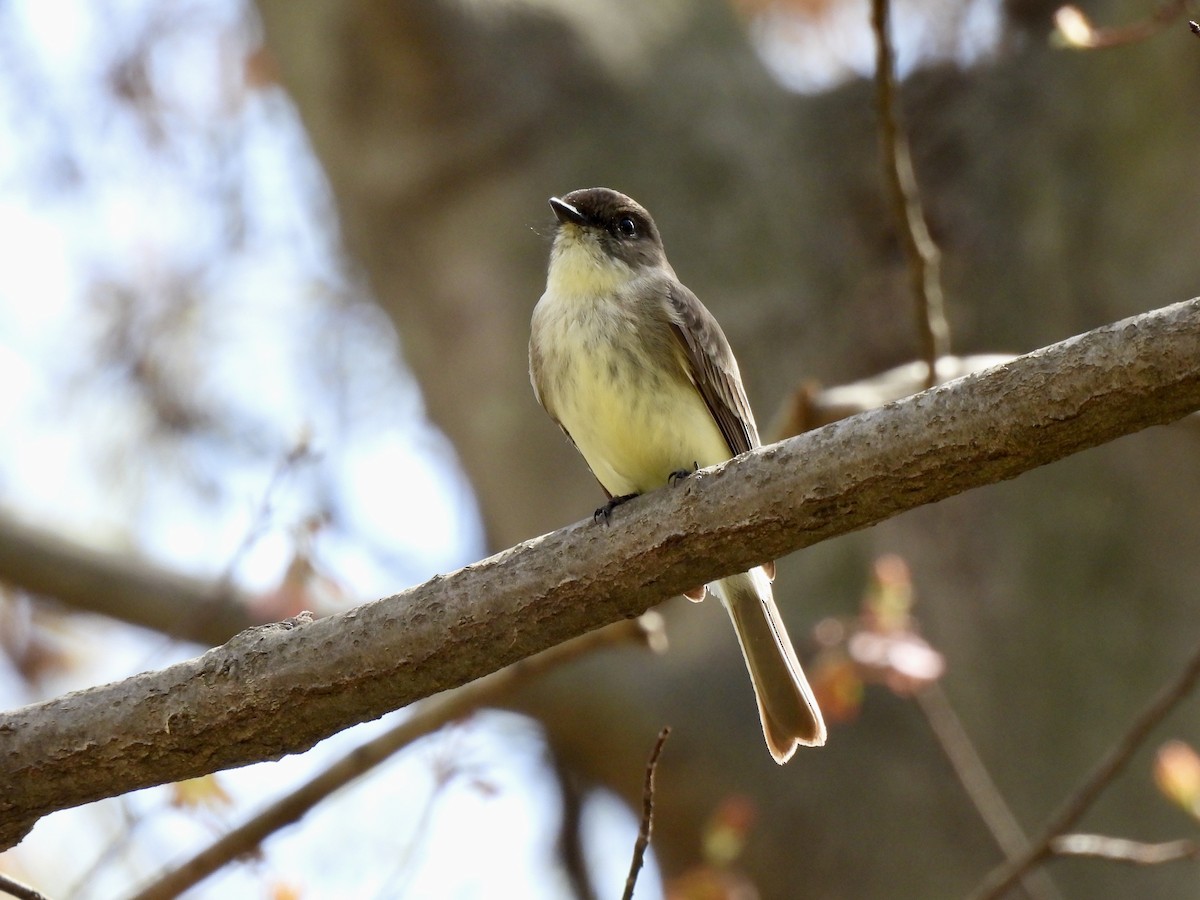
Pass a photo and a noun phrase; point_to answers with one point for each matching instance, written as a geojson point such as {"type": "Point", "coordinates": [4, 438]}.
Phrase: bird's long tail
{"type": "Point", "coordinates": [789, 712]}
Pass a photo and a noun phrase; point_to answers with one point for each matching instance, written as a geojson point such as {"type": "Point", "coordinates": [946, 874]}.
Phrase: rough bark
{"type": "Point", "coordinates": [279, 689]}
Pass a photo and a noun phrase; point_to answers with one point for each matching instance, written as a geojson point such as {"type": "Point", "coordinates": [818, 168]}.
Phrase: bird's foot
{"type": "Point", "coordinates": [604, 513]}
{"type": "Point", "coordinates": [680, 474]}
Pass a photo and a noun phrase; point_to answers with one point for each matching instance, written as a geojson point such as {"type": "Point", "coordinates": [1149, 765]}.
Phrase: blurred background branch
{"type": "Point", "coordinates": [1002, 878]}
{"type": "Point", "coordinates": [978, 783]}
{"type": "Point", "coordinates": [119, 586]}
{"type": "Point", "coordinates": [646, 630]}
{"type": "Point", "coordinates": [1122, 850]}
{"type": "Point", "coordinates": [924, 258]}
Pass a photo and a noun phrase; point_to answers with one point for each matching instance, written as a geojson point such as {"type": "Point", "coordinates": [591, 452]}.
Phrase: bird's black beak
{"type": "Point", "coordinates": [565, 212]}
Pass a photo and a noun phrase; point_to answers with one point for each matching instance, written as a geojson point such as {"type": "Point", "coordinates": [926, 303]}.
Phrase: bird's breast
{"type": "Point", "coordinates": [617, 382]}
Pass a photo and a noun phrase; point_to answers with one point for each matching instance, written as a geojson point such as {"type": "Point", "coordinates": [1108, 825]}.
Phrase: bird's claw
{"type": "Point", "coordinates": [604, 513]}
{"type": "Point", "coordinates": [680, 474]}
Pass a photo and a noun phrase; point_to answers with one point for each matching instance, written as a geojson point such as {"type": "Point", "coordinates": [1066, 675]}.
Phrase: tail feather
{"type": "Point", "coordinates": [789, 712]}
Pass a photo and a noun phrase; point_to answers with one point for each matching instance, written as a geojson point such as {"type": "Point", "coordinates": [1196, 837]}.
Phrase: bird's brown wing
{"type": "Point", "coordinates": [713, 368]}
{"type": "Point", "coordinates": [714, 371]}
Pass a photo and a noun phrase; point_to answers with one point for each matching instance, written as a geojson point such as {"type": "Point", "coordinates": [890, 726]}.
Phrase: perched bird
{"type": "Point", "coordinates": [640, 376]}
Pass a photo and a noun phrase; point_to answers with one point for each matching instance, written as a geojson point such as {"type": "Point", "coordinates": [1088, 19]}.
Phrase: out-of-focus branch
{"type": "Point", "coordinates": [977, 782]}
{"type": "Point", "coordinates": [1006, 875]}
{"type": "Point", "coordinates": [570, 829]}
{"type": "Point", "coordinates": [811, 406]}
{"type": "Point", "coordinates": [119, 586]}
{"type": "Point", "coordinates": [279, 689]}
{"type": "Point", "coordinates": [1073, 29]}
{"type": "Point", "coordinates": [1137, 853]}
{"type": "Point", "coordinates": [646, 629]}
{"type": "Point", "coordinates": [14, 888]}
{"type": "Point", "coordinates": [924, 257]}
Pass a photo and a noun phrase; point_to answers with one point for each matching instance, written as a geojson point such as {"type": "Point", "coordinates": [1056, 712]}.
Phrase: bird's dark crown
{"type": "Point", "coordinates": [625, 228]}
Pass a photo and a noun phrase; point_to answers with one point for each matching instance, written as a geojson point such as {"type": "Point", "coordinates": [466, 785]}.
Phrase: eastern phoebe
{"type": "Point", "coordinates": [641, 378]}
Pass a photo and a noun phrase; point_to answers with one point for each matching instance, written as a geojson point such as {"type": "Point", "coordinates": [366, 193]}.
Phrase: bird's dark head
{"type": "Point", "coordinates": [609, 224]}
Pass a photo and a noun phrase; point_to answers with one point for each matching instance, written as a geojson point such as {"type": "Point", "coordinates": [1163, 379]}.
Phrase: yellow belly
{"type": "Point", "coordinates": [636, 419]}
{"type": "Point", "coordinates": [634, 441]}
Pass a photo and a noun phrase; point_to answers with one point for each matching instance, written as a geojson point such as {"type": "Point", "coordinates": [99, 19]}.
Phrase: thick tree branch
{"type": "Point", "coordinates": [120, 587]}
{"type": "Point", "coordinates": [279, 689]}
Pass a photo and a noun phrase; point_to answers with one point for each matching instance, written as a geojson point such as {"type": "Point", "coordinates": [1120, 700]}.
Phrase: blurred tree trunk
{"type": "Point", "coordinates": [1061, 189]}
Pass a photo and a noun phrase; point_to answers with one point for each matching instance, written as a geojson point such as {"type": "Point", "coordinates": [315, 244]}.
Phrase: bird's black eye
{"type": "Point", "coordinates": [627, 227]}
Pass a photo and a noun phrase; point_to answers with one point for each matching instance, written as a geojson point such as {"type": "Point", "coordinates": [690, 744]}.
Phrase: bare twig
{"type": "Point", "coordinates": [11, 886]}
{"type": "Point", "coordinates": [647, 822]}
{"type": "Point", "coordinates": [979, 786]}
{"type": "Point", "coordinates": [300, 452]}
{"type": "Point", "coordinates": [445, 770]}
{"type": "Point", "coordinates": [997, 883]}
{"type": "Point", "coordinates": [924, 257]}
{"type": "Point", "coordinates": [115, 847]}
{"type": "Point", "coordinates": [1137, 853]}
{"type": "Point", "coordinates": [433, 715]}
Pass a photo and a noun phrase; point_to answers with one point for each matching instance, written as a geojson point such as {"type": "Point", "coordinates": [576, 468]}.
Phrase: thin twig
{"type": "Point", "coordinates": [979, 786]}
{"type": "Point", "coordinates": [647, 824]}
{"type": "Point", "coordinates": [924, 258]}
{"type": "Point", "coordinates": [118, 845]}
{"type": "Point", "coordinates": [1000, 879]}
{"type": "Point", "coordinates": [429, 717]}
{"type": "Point", "coordinates": [11, 886]}
{"type": "Point", "coordinates": [260, 520]}
{"type": "Point", "coordinates": [1122, 850]}
{"type": "Point", "coordinates": [407, 859]}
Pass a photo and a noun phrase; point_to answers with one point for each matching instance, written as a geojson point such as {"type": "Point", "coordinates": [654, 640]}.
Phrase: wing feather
{"type": "Point", "coordinates": [712, 368]}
